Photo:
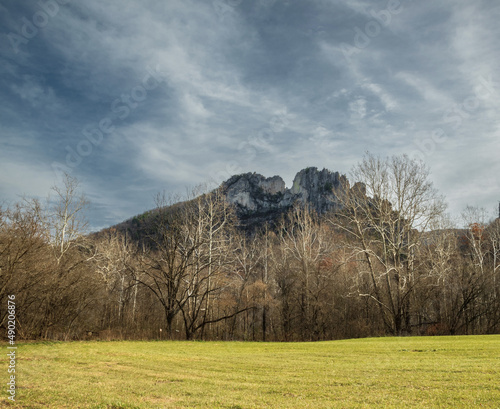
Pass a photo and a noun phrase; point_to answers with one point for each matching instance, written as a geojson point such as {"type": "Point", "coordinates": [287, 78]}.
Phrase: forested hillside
{"type": "Point", "coordinates": [326, 259]}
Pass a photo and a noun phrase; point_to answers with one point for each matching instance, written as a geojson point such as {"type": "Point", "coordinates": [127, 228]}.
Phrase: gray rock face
{"type": "Point", "coordinates": [318, 188]}
{"type": "Point", "coordinates": [258, 199]}
{"type": "Point", "coordinates": [252, 192]}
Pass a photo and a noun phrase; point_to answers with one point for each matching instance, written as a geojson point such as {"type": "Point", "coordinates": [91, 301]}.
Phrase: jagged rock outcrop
{"type": "Point", "coordinates": [258, 199]}
{"type": "Point", "coordinates": [318, 188]}
{"type": "Point", "coordinates": [252, 192]}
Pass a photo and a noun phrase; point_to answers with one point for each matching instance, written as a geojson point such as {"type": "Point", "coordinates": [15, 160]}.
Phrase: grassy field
{"type": "Point", "coordinates": [440, 372]}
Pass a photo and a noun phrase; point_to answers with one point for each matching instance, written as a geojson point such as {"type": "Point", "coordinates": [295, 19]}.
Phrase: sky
{"type": "Point", "coordinates": [134, 97]}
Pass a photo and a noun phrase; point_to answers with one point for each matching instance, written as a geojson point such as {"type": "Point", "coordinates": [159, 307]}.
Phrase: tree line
{"type": "Point", "coordinates": [387, 261]}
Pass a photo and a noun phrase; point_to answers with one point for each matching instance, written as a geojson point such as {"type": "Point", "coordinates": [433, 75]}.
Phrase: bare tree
{"type": "Point", "coordinates": [480, 266]}
{"type": "Point", "coordinates": [114, 263]}
{"type": "Point", "coordinates": [185, 259]}
{"type": "Point", "coordinates": [386, 214]}
{"type": "Point", "coordinates": [23, 256]}
{"type": "Point", "coordinates": [285, 278]}
{"type": "Point", "coordinates": [493, 232]}
{"type": "Point", "coordinates": [439, 293]}
{"type": "Point", "coordinates": [308, 242]}
{"type": "Point", "coordinates": [166, 261]}
{"type": "Point", "coordinates": [65, 217]}
{"type": "Point", "coordinates": [213, 219]}
{"type": "Point", "coordinates": [246, 258]}
{"type": "Point", "coordinates": [53, 290]}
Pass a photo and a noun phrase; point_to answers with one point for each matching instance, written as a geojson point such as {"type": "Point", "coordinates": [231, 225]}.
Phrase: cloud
{"type": "Point", "coordinates": [385, 98]}
{"type": "Point", "coordinates": [24, 179]}
{"type": "Point", "coordinates": [36, 94]}
{"type": "Point", "coordinates": [358, 108]}
{"type": "Point", "coordinates": [250, 86]}
{"type": "Point", "coordinates": [428, 92]}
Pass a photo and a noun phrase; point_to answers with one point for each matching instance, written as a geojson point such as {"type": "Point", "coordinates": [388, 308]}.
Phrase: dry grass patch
{"type": "Point", "coordinates": [441, 372]}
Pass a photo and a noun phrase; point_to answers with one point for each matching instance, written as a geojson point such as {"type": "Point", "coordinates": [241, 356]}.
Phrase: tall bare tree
{"type": "Point", "coordinates": [65, 218]}
{"type": "Point", "coordinates": [213, 219]}
{"type": "Point", "coordinates": [168, 257]}
{"type": "Point", "coordinates": [386, 213]}
{"type": "Point", "coordinates": [479, 264]}
{"type": "Point", "coordinates": [308, 242]}
{"type": "Point", "coordinates": [114, 263]}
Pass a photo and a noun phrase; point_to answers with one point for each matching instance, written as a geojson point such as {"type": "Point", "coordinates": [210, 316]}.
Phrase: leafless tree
{"type": "Point", "coordinates": [65, 217]}
{"type": "Point", "coordinates": [479, 265]}
{"type": "Point", "coordinates": [184, 264]}
{"type": "Point", "coordinates": [23, 256]}
{"type": "Point", "coordinates": [115, 264]}
{"type": "Point", "coordinates": [386, 213]}
{"type": "Point", "coordinates": [309, 245]}
{"type": "Point", "coordinates": [212, 218]}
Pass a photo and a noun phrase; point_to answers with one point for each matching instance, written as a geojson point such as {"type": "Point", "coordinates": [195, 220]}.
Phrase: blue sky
{"type": "Point", "coordinates": [137, 97]}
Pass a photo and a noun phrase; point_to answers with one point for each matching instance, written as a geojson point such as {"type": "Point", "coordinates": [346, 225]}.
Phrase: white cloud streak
{"type": "Point", "coordinates": [264, 87]}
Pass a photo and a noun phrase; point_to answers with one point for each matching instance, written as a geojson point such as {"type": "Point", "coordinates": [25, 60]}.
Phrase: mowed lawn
{"type": "Point", "coordinates": [427, 372]}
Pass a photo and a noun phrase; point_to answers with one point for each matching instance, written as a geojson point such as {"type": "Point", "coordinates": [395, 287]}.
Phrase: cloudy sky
{"type": "Point", "coordinates": [133, 97]}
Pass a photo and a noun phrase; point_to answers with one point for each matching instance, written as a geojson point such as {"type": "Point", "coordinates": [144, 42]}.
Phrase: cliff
{"type": "Point", "coordinates": [258, 199]}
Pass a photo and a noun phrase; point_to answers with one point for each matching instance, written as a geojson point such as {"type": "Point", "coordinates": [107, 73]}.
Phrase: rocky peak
{"type": "Point", "coordinates": [258, 199]}
{"type": "Point", "coordinates": [318, 187]}
{"type": "Point", "coordinates": [254, 192]}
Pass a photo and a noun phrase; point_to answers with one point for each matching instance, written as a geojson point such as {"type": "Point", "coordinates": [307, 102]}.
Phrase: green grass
{"type": "Point", "coordinates": [430, 372]}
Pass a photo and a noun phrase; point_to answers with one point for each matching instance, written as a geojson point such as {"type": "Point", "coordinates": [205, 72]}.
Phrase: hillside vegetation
{"type": "Point", "coordinates": [383, 260]}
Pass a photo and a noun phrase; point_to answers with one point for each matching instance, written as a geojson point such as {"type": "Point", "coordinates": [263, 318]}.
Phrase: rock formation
{"type": "Point", "coordinates": [258, 199]}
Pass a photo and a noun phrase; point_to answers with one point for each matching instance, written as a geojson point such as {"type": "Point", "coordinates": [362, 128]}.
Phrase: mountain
{"type": "Point", "coordinates": [258, 200]}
